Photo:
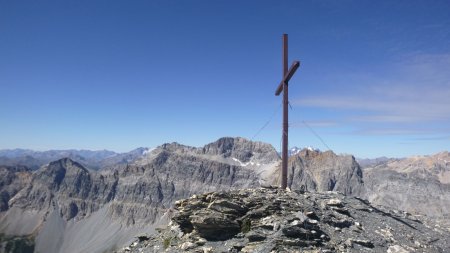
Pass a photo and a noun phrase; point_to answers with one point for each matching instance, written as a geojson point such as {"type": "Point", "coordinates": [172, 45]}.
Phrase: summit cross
{"type": "Point", "coordinates": [283, 86]}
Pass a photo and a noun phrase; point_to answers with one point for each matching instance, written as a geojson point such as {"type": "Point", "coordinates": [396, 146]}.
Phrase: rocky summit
{"type": "Point", "coordinates": [274, 220]}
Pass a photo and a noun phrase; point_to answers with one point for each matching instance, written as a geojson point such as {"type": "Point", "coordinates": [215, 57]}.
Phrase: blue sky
{"type": "Point", "coordinates": [117, 75]}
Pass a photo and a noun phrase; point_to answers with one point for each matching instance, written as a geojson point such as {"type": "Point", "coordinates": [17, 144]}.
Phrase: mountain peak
{"type": "Point", "coordinates": [57, 171]}
{"type": "Point", "coordinates": [323, 171]}
{"type": "Point", "coordinates": [242, 149]}
{"type": "Point", "coordinates": [68, 164]}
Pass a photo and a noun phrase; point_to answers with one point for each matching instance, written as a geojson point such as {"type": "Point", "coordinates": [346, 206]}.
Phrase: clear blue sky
{"type": "Point", "coordinates": [374, 79]}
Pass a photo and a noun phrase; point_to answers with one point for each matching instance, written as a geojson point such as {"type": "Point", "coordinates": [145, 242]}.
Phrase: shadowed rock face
{"type": "Point", "coordinates": [272, 220]}
{"type": "Point", "coordinates": [324, 171]}
{"type": "Point", "coordinates": [12, 180]}
{"type": "Point", "coordinates": [68, 185]}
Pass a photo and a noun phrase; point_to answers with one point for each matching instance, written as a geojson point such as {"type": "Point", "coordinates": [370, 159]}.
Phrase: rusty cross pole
{"type": "Point", "coordinates": [283, 86]}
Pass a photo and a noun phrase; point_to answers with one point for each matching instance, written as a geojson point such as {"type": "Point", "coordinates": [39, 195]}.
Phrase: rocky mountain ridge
{"type": "Point", "coordinates": [105, 209]}
{"type": "Point", "coordinates": [91, 159]}
{"type": "Point", "coordinates": [13, 179]}
{"type": "Point", "coordinates": [367, 162]}
{"type": "Point", "coordinates": [324, 171]}
{"type": "Point", "coordinates": [268, 220]}
{"type": "Point", "coordinates": [419, 184]}
{"type": "Point", "coordinates": [67, 203]}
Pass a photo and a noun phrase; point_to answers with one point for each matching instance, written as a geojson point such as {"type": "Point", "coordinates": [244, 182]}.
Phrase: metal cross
{"type": "Point", "coordinates": [287, 75]}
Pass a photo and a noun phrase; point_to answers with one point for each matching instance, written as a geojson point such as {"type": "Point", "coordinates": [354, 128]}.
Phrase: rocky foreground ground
{"type": "Point", "coordinates": [274, 220]}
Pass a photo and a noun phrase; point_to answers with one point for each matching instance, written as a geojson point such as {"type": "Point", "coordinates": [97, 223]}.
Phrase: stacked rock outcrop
{"type": "Point", "coordinates": [274, 220]}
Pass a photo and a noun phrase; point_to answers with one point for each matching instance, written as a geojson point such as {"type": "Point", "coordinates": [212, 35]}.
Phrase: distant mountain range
{"type": "Point", "coordinates": [99, 159]}
{"type": "Point", "coordinates": [367, 162]}
{"type": "Point", "coordinates": [97, 201]}
{"type": "Point", "coordinates": [94, 160]}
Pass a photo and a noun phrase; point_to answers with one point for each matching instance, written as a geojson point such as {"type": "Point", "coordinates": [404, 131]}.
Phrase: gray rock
{"type": "Point", "coordinates": [323, 171]}
{"type": "Point", "coordinates": [255, 236]}
{"type": "Point", "coordinates": [331, 232]}
{"type": "Point", "coordinates": [214, 225]}
{"type": "Point", "coordinates": [418, 185]}
{"type": "Point", "coordinates": [297, 232]}
{"type": "Point", "coordinates": [12, 180]}
{"type": "Point", "coordinates": [227, 207]}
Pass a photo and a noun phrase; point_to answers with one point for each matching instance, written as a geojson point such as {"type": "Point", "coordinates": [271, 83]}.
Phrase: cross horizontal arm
{"type": "Point", "coordinates": [287, 77]}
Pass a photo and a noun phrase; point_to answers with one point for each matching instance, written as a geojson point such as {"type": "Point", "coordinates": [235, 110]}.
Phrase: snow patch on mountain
{"type": "Point", "coordinates": [245, 164]}
{"type": "Point", "coordinates": [296, 150]}
{"type": "Point", "coordinates": [147, 151]}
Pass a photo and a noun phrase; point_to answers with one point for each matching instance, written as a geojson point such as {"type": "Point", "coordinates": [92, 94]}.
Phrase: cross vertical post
{"type": "Point", "coordinates": [283, 86]}
{"type": "Point", "coordinates": [284, 152]}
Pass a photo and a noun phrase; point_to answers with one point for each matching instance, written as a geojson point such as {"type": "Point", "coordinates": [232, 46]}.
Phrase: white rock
{"type": "Point", "coordinates": [201, 241]}
{"type": "Point", "coordinates": [266, 218]}
{"type": "Point", "coordinates": [334, 202]}
{"type": "Point", "coordinates": [312, 221]}
{"type": "Point", "coordinates": [187, 245]}
{"type": "Point", "coordinates": [276, 226]}
{"type": "Point", "coordinates": [295, 222]}
{"type": "Point", "coordinates": [207, 249]}
{"type": "Point", "coordinates": [396, 249]}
